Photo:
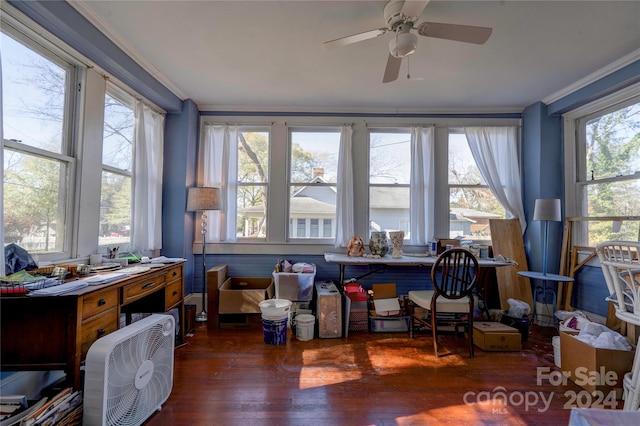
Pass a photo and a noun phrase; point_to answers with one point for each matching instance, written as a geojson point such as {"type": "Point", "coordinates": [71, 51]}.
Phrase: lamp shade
{"type": "Point", "coordinates": [403, 44]}
{"type": "Point", "coordinates": [547, 209]}
{"type": "Point", "coordinates": [203, 198]}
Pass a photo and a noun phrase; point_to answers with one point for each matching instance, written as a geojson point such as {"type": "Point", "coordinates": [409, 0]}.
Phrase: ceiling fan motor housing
{"type": "Point", "coordinates": [392, 13]}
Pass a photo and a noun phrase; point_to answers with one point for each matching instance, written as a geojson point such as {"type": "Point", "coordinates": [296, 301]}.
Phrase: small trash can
{"type": "Point", "coordinates": [305, 325]}
{"type": "Point", "coordinates": [275, 315]}
{"type": "Point", "coordinates": [522, 324]}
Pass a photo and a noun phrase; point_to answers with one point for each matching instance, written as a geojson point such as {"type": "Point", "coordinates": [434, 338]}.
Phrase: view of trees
{"type": "Point", "coordinates": [613, 162]}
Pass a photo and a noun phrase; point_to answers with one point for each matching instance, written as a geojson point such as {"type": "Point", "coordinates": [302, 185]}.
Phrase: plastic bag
{"type": "Point", "coordinates": [600, 336]}
{"type": "Point", "coordinates": [518, 308]}
{"type": "Point", "coordinates": [16, 259]}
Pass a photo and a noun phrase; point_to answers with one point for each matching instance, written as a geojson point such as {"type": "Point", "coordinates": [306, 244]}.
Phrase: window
{"type": "Point", "coordinates": [313, 159]}
{"type": "Point", "coordinates": [471, 202]}
{"type": "Point", "coordinates": [117, 161]}
{"type": "Point", "coordinates": [389, 179]}
{"type": "Point", "coordinates": [607, 169]}
{"type": "Point", "coordinates": [38, 166]}
{"type": "Point", "coordinates": [253, 173]}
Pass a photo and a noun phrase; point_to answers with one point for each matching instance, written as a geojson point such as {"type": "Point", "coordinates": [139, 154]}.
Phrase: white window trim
{"type": "Point", "coordinates": [278, 219]}
{"type": "Point", "coordinates": [573, 147]}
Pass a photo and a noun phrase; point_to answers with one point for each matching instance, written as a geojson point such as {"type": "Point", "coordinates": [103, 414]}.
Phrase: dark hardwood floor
{"type": "Point", "coordinates": [231, 377]}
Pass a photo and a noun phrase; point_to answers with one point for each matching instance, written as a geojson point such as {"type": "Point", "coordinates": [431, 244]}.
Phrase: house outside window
{"type": "Point", "coordinates": [313, 171]}
{"type": "Point", "coordinates": [471, 202]}
{"type": "Point", "coordinates": [37, 105]}
{"type": "Point", "coordinates": [389, 179]}
{"type": "Point", "coordinates": [117, 162]}
{"type": "Point", "coordinates": [604, 168]}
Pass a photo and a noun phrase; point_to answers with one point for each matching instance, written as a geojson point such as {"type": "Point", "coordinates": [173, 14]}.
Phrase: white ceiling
{"type": "Point", "coordinates": [268, 56]}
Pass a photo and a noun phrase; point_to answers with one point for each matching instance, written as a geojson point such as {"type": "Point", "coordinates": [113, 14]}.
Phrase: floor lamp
{"type": "Point", "coordinates": [547, 210]}
{"type": "Point", "coordinates": [203, 199]}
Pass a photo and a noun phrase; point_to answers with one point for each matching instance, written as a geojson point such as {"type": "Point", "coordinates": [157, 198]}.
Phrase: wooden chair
{"type": "Point", "coordinates": [451, 301]}
{"type": "Point", "coordinates": [620, 263]}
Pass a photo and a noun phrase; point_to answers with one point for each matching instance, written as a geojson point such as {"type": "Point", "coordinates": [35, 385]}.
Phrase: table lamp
{"type": "Point", "coordinates": [203, 199]}
{"type": "Point", "coordinates": [546, 209]}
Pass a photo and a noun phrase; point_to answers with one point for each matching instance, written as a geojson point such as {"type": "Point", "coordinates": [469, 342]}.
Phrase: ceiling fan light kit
{"type": "Point", "coordinates": [400, 18]}
{"type": "Point", "coordinates": [403, 44]}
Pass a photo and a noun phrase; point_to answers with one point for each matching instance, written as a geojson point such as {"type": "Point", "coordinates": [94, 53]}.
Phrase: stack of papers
{"type": "Point", "coordinates": [59, 289]}
{"type": "Point", "coordinates": [105, 278]}
{"type": "Point", "coordinates": [163, 259]}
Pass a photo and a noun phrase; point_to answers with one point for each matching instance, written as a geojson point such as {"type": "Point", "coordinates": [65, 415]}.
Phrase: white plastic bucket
{"type": "Point", "coordinates": [275, 309]}
{"type": "Point", "coordinates": [305, 325]}
{"type": "Point", "coordinates": [556, 351]}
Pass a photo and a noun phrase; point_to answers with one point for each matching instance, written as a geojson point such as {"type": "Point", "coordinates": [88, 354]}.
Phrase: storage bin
{"type": "Point", "coordinates": [389, 324]}
{"type": "Point", "coordinates": [295, 286]}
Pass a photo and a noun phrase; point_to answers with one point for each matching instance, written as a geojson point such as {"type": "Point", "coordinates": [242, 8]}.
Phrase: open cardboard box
{"type": "Point", "coordinates": [242, 295]}
{"type": "Point", "coordinates": [594, 369]}
{"type": "Point", "coordinates": [385, 301]}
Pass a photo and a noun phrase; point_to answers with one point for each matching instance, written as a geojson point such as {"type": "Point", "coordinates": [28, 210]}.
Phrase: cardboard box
{"type": "Point", "coordinates": [494, 336]}
{"type": "Point", "coordinates": [242, 295]}
{"type": "Point", "coordinates": [594, 369]}
{"type": "Point", "coordinates": [385, 301]}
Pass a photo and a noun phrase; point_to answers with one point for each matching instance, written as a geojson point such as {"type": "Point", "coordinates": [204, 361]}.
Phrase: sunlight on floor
{"type": "Point", "coordinates": [328, 366]}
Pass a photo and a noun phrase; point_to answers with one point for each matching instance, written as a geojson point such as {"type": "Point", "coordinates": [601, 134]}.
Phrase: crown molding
{"type": "Point", "coordinates": [84, 8]}
{"type": "Point", "coordinates": [593, 77]}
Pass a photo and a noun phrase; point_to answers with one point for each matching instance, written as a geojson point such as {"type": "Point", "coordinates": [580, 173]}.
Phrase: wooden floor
{"type": "Point", "coordinates": [231, 377]}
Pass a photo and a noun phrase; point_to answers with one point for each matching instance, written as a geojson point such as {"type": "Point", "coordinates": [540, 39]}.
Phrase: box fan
{"type": "Point", "coordinates": [129, 373]}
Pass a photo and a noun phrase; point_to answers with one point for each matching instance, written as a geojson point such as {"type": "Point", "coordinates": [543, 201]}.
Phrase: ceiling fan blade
{"type": "Point", "coordinates": [392, 70]}
{"type": "Point", "coordinates": [412, 9]}
{"type": "Point", "coordinates": [464, 33]}
{"type": "Point", "coordinates": [355, 38]}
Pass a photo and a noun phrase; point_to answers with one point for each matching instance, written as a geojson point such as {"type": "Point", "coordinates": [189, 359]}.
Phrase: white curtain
{"type": "Point", "coordinates": [220, 167]}
{"type": "Point", "coordinates": [421, 191]}
{"type": "Point", "coordinates": [345, 227]}
{"type": "Point", "coordinates": [495, 150]}
{"type": "Point", "coordinates": [148, 148]}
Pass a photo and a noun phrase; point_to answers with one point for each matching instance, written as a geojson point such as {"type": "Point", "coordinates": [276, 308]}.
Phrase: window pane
{"type": "Point", "coordinates": [389, 208]}
{"type": "Point", "coordinates": [34, 202]}
{"type": "Point", "coordinates": [253, 157]}
{"type": "Point", "coordinates": [389, 164]}
{"type": "Point", "coordinates": [314, 154]}
{"type": "Point", "coordinates": [307, 202]}
{"type": "Point", "coordinates": [253, 176]}
{"type": "Point", "coordinates": [613, 143]}
{"type": "Point", "coordinates": [314, 168]}
{"type": "Point", "coordinates": [471, 202]}
{"type": "Point", "coordinates": [117, 148]}
{"type": "Point", "coordinates": [613, 199]}
{"type": "Point", "coordinates": [115, 209]}
{"type": "Point", "coordinates": [390, 158]}
{"type": "Point", "coordinates": [252, 211]}
{"type": "Point", "coordinates": [33, 97]}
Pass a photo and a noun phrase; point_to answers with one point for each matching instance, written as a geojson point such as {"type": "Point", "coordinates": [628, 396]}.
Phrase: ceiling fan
{"type": "Point", "coordinates": [400, 18]}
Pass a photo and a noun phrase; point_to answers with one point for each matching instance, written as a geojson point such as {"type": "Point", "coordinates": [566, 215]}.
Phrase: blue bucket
{"type": "Point", "coordinates": [275, 331]}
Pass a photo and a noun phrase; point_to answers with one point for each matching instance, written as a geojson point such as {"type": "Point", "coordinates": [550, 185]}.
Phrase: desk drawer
{"type": "Point", "coordinates": [95, 328]}
{"type": "Point", "coordinates": [99, 301]}
{"type": "Point", "coordinates": [141, 288]}
{"type": "Point", "coordinates": [173, 294]}
{"type": "Point", "coordinates": [173, 273]}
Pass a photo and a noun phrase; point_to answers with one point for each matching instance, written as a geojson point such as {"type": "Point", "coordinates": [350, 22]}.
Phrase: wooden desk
{"type": "Point", "coordinates": [55, 333]}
